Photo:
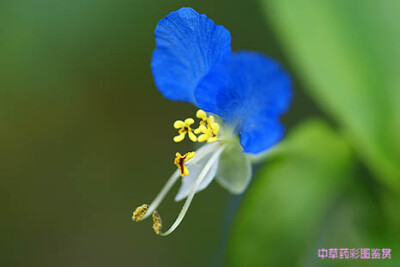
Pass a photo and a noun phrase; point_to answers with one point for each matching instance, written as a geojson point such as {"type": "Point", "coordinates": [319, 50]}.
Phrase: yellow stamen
{"type": "Point", "coordinates": [179, 137]}
{"type": "Point", "coordinates": [192, 136]}
{"type": "Point", "coordinates": [210, 120]}
{"type": "Point", "coordinates": [184, 127]}
{"type": "Point", "coordinates": [180, 162]}
{"type": "Point", "coordinates": [201, 114]}
{"type": "Point", "coordinates": [209, 133]}
{"type": "Point", "coordinates": [139, 212]}
{"type": "Point", "coordinates": [157, 223]}
{"type": "Point", "coordinates": [203, 137]}
{"type": "Point", "coordinates": [208, 127]}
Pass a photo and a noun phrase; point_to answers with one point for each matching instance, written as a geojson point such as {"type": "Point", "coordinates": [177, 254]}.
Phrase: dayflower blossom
{"type": "Point", "coordinates": [241, 96]}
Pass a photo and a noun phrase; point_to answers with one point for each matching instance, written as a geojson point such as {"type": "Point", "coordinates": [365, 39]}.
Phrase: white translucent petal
{"type": "Point", "coordinates": [195, 166]}
{"type": "Point", "coordinates": [203, 151]}
{"type": "Point", "coordinates": [234, 171]}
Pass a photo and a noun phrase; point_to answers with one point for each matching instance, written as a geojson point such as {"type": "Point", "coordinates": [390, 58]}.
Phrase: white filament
{"type": "Point", "coordinates": [159, 198]}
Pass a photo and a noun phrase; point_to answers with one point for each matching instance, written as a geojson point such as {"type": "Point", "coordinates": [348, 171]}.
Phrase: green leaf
{"type": "Point", "coordinates": [348, 53]}
{"type": "Point", "coordinates": [234, 169]}
{"type": "Point", "coordinates": [283, 211]}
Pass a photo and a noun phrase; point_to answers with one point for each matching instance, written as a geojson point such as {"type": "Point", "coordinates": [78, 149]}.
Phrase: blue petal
{"type": "Point", "coordinates": [187, 45]}
{"type": "Point", "coordinates": [261, 132]}
{"type": "Point", "coordinates": [248, 91]}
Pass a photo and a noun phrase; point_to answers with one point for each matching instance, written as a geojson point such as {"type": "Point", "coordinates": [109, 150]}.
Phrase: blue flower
{"type": "Point", "coordinates": [241, 96]}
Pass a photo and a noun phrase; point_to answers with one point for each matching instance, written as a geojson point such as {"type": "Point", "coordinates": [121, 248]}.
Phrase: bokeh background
{"type": "Point", "coordinates": [85, 137]}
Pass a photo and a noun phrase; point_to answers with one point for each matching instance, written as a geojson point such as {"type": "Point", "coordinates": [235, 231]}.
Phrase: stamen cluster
{"type": "Point", "coordinates": [208, 129]}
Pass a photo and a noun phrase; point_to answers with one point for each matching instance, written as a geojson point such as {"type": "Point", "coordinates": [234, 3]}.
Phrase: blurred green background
{"type": "Point", "coordinates": [86, 137]}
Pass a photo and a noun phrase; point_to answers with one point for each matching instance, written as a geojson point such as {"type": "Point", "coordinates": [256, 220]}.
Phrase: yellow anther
{"type": "Point", "coordinates": [157, 223]}
{"type": "Point", "coordinates": [209, 133]}
{"type": "Point", "coordinates": [203, 137]}
{"type": "Point", "coordinates": [207, 123]}
{"type": "Point", "coordinates": [184, 127]}
{"type": "Point", "coordinates": [201, 114]}
{"type": "Point", "coordinates": [215, 127]}
{"type": "Point", "coordinates": [140, 212]}
{"type": "Point", "coordinates": [180, 162]}
{"type": "Point", "coordinates": [208, 127]}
